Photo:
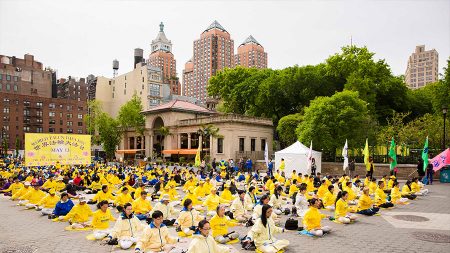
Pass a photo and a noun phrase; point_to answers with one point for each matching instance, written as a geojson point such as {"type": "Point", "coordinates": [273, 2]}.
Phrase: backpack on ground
{"type": "Point", "coordinates": [291, 224]}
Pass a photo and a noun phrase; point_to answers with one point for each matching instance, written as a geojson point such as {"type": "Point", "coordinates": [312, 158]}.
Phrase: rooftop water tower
{"type": "Point", "coordinates": [115, 67]}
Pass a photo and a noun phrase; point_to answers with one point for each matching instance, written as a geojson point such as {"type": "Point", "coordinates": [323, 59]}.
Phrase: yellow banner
{"type": "Point", "coordinates": [47, 149]}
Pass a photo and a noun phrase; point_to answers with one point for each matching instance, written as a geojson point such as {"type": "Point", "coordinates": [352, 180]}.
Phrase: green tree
{"type": "Point", "coordinates": [286, 128]}
{"type": "Point", "coordinates": [92, 120]}
{"type": "Point", "coordinates": [110, 134]}
{"type": "Point", "coordinates": [329, 121]}
{"type": "Point", "coordinates": [413, 134]}
{"type": "Point", "coordinates": [5, 146]}
{"type": "Point", "coordinates": [17, 146]}
{"type": "Point", "coordinates": [130, 115]}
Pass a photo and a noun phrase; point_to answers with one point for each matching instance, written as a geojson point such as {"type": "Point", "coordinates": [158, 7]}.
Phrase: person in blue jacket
{"type": "Point", "coordinates": [63, 206]}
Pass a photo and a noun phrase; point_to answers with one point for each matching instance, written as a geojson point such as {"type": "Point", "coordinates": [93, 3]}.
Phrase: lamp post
{"type": "Point", "coordinates": [444, 111]}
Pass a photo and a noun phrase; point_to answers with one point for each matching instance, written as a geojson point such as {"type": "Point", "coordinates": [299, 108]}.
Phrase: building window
{"type": "Point", "coordinates": [8, 86]}
{"type": "Point", "coordinates": [51, 130]}
{"type": "Point", "coordinates": [51, 114]}
{"type": "Point", "coordinates": [16, 78]}
{"type": "Point", "coordinates": [39, 104]}
{"type": "Point", "coordinates": [8, 78]}
{"type": "Point", "coordinates": [241, 144]}
{"type": "Point", "coordinates": [80, 131]}
{"type": "Point", "coordinates": [80, 123]}
{"type": "Point", "coordinates": [69, 123]}
{"type": "Point", "coordinates": [39, 130]}
{"type": "Point", "coordinates": [252, 144]}
{"type": "Point", "coordinates": [16, 88]}
{"type": "Point", "coordinates": [26, 129]}
{"type": "Point", "coordinates": [263, 144]}
{"type": "Point", "coordinates": [51, 106]}
{"type": "Point", "coordinates": [69, 115]}
{"type": "Point", "coordinates": [220, 145]}
{"type": "Point", "coordinates": [80, 116]}
{"type": "Point", "coordinates": [52, 122]}
{"type": "Point", "coordinates": [6, 110]}
{"type": "Point", "coordinates": [69, 130]}
{"type": "Point", "coordinates": [26, 112]}
{"type": "Point", "coordinates": [39, 113]}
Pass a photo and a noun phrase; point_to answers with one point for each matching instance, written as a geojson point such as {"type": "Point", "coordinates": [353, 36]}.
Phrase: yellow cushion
{"type": "Point", "coordinates": [233, 241]}
{"type": "Point", "coordinates": [90, 237]}
{"type": "Point", "coordinates": [69, 228]}
{"type": "Point", "coordinates": [182, 234]}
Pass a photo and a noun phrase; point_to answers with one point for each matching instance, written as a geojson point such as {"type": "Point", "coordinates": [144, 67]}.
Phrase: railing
{"type": "Point", "coordinates": [253, 155]}
{"type": "Point", "coordinates": [225, 118]}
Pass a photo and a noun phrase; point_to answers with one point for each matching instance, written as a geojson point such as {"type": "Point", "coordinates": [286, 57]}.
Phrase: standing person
{"type": "Point", "coordinates": [214, 164]}
{"type": "Point", "coordinates": [430, 172]}
{"type": "Point", "coordinates": [282, 164]}
{"type": "Point", "coordinates": [351, 168]}
{"type": "Point", "coordinates": [263, 230]}
{"type": "Point", "coordinates": [203, 242]}
{"type": "Point", "coordinates": [313, 167]}
{"type": "Point", "coordinates": [270, 168]}
{"type": "Point", "coordinates": [203, 166]}
{"type": "Point", "coordinates": [249, 165]}
{"type": "Point", "coordinates": [420, 170]}
{"type": "Point", "coordinates": [370, 168]}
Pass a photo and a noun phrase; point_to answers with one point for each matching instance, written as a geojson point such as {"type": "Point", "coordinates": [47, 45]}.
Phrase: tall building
{"type": "Point", "coordinates": [161, 56]}
{"type": "Point", "coordinates": [214, 51]}
{"type": "Point", "coordinates": [251, 54]}
{"type": "Point", "coordinates": [32, 102]}
{"type": "Point", "coordinates": [422, 68]}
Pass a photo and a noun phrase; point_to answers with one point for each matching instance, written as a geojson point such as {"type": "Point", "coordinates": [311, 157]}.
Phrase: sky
{"type": "Point", "coordinates": [79, 38]}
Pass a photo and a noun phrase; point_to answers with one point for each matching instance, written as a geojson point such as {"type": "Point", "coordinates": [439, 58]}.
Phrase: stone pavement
{"type": "Point", "coordinates": [411, 228]}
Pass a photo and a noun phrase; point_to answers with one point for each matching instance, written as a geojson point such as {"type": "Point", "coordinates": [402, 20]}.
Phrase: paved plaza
{"type": "Point", "coordinates": [422, 226]}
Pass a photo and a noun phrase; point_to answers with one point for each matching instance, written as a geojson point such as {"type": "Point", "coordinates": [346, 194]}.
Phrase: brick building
{"type": "Point", "coordinates": [161, 56]}
{"type": "Point", "coordinates": [214, 51]}
{"type": "Point", "coordinates": [251, 54]}
{"type": "Point", "coordinates": [32, 101]}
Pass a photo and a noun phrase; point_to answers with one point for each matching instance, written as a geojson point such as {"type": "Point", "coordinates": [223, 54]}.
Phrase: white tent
{"type": "Point", "coordinates": [296, 158]}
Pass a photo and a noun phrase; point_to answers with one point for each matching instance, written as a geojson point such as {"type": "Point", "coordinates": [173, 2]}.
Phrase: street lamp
{"type": "Point", "coordinates": [444, 111]}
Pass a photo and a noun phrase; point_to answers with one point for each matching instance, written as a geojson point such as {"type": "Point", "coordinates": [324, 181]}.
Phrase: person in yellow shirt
{"type": "Point", "coordinates": [203, 242]}
{"type": "Point", "coordinates": [406, 191]}
{"type": "Point", "coordinates": [351, 198]}
{"type": "Point", "coordinates": [341, 212]}
{"type": "Point", "coordinates": [201, 191]}
{"type": "Point", "coordinates": [417, 189]}
{"type": "Point", "coordinates": [59, 185]}
{"type": "Point", "coordinates": [381, 198]}
{"type": "Point", "coordinates": [219, 225]}
{"type": "Point", "coordinates": [212, 201]}
{"type": "Point", "coordinates": [190, 194]}
{"type": "Point", "coordinates": [48, 203]}
{"type": "Point", "coordinates": [49, 184]}
{"type": "Point", "coordinates": [365, 204]}
{"type": "Point", "coordinates": [79, 215]}
{"type": "Point", "coordinates": [293, 188]}
{"type": "Point", "coordinates": [313, 217]}
{"type": "Point", "coordinates": [323, 188]}
{"type": "Point", "coordinates": [25, 189]}
{"type": "Point", "coordinates": [104, 194]}
{"type": "Point", "coordinates": [372, 186]}
{"type": "Point", "coordinates": [282, 165]}
{"type": "Point", "coordinates": [123, 198]}
{"type": "Point", "coordinates": [32, 198]}
{"type": "Point", "coordinates": [226, 193]}
{"type": "Point", "coordinates": [188, 184]}
{"type": "Point", "coordinates": [101, 219]}
{"type": "Point", "coordinates": [396, 195]}
{"type": "Point", "coordinates": [13, 188]}
{"type": "Point", "coordinates": [142, 207]}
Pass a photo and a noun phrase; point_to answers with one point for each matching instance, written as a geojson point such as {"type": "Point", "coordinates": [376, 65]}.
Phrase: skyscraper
{"type": "Point", "coordinates": [161, 56]}
{"type": "Point", "coordinates": [212, 52]}
{"type": "Point", "coordinates": [422, 67]}
{"type": "Point", "coordinates": [251, 54]}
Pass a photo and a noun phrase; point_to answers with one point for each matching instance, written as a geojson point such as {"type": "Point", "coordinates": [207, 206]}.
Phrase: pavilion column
{"type": "Point", "coordinates": [147, 146]}
{"type": "Point", "coordinates": [189, 140]}
{"type": "Point", "coordinates": [150, 146]}
{"type": "Point", "coordinates": [178, 141]}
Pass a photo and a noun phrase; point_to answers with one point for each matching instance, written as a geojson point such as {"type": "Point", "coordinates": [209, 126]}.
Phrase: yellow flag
{"type": "Point", "coordinates": [366, 154]}
{"type": "Point", "coordinates": [198, 160]}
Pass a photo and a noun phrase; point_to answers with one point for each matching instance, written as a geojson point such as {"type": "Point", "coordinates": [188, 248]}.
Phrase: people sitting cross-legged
{"type": "Point", "coordinates": [48, 203]}
{"type": "Point", "coordinates": [127, 229]}
{"type": "Point", "coordinates": [381, 198]}
{"type": "Point", "coordinates": [203, 242]}
{"type": "Point", "coordinates": [257, 211]}
{"type": "Point", "coordinates": [63, 206]}
{"type": "Point", "coordinates": [188, 219]}
{"type": "Point", "coordinates": [237, 208]}
{"type": "Point", "coordinates": [101, 219]}
{"type": "Point", "coordinates": [262, 233]}
{"type": "Point", "coordinates": [104, 194]}
{"type": "Point", "coordinates": [396, 195]}
{"type": "Point", "coordinates": [220, 224]}
{"type": "Point", "coordinates": [32, 197]}
{"type": "Point", "coordinates": [312, 219]}
{"type": "Point", "coordinates": [123, 198]}
{"type": "Point", "coordinates": [341, 212]}
{"type": "Point", "coordinates": [167, 210]}
{"type": "Point", "coordinates": [156, 237]}
{"type": "Point", "coordinates": [142, 207]}
{"type": "Point", "coordinates": [365, 204]}
{"type": "Point", "coordinates": [301, 202]}
{"type": "Point", "coordinates": [79, 215]}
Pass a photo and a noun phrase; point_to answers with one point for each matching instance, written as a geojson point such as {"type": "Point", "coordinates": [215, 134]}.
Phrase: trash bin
{"type": "Point", "coordinates": [445, 175]}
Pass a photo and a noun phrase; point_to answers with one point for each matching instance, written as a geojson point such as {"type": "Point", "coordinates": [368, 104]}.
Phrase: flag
{"type": "Point", "coordinates": [198, 160]}
{"type": "Point", "coordinates": [345, 155]}
{"type": "Point", "coordinates": [393, 155]}
{"type": "Point", "coordinates": [441, 160]}
{"type": "Point", "coordinates": [310, 157]}
{"type": "Point", "coordinates": [366, 155]}
{"type": "Point", "coordinates": [266, 155]}
{"type": "Point", "coordinates": [425, 155]}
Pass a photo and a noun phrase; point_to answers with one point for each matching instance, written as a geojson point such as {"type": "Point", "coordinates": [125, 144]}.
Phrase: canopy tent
{"type": "Point", "coordinates": [296, 158]}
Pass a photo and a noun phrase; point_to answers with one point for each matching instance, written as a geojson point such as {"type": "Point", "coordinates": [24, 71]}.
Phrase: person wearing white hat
{"type": "Point", "coordinates": [167, 209]}
{"type": "Point", "coordinates": [21, 192]}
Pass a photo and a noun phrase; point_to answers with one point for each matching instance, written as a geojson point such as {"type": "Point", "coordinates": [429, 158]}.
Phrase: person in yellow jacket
{"type": "Point", "coordinates": [167, 209]}
{"type": "Point", "coordinates": [13, 188]}
{"type": "Point", "coordinates": [312, 219]}
{"type": "Point", "coordinates": [365, 204]}
{"type": "Point", "coordinates": [137, 192]}
{"type": "Point", "coordinates": [226, 193]}
{"type": "Point", "coordinates": [49, 184]}
{"type": "Point", "coordinates": [59, 185]}
{"type": "Point", "coordinates": [32, 198]}
{"type": "Point", "coordinates": [127, 228]}
{"type": "Point", "coordinates": [396, 195]}
{"type": "Point", "coordinates": [351, 198]}
{"type": "Point", "coordinates": [25, 189]}
{"type": "Point", "coordinates": [219, 225]}
{"type": "Point", "coordinates": [208, 185]}
{"type": "Point", "coordinates": [282, 165]}
{"type": "Point", "coordinates": [381, 198]}
{"type": "Point", "coordinates": [188, 219]}
{"type": "Point", "coordinates": [48, 203]}
{"type": "Point", "coordinates": [406, 191]}
{"type": "Point", "coordinates": [101, 219]}
{"type": "Point", "coordinates": [142, 207]}
{"type": "Point", "coordinates": [341, 212]}
{"type": "Point", "coordinates": [237, 208]}
{"type": "Point", "coordinates": [262, 233]}
{"type": "Point", "coordinates": [190, 194]}
{"type": "Point", "coordinates": [417, 189]}
{"type": "Point", "coordinates": [188, 184]}
{"type": "Point", "coordinates": [203, 242]}
{"type": "Point", "coordinates": [250, 199]}
{"type": "Point", "coordinates": [156, 237]}
{"type": "Point", "coordinates": [104, 194]}
{"type": "Point", "coordinates": [201, 190]}
{"type": "Point", "coordinates": [391, 181]}
{"type": "Point", "coordinates": [212, 201]}
{"type": "Point", "coordinates": [322, 190]}
{"type": "Point", "coordinates": [79, 215]}
{"type": "Point", "coordinates": [123, 198]}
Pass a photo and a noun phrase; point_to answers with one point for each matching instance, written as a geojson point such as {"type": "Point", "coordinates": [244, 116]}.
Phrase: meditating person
{"type": "Point", "coordinates": [341, 212]}
{"type": "Point", "coordinates": [301, 202]}
{"type": "Point", "coordinates": [237, 208]}
{"type": "Point", "coordinates": [203, 242]}
{"type": "Point", "coordinates": [250, 199]}
{"type": "Point", "coordinates": [406, 191]}
{"type": "Point", "coordinates": [212, 201]}
{"type": "Point", "coordinates": [329, 198]}
{"type": "Point", "coordinates": [123, 198]}
{"type": "Point", "coordinates": [101, 219]}
{"type": "Point", "coordinates": [48, 203]}
{"type": "Point", "coordinates": [381, 198]}
{"type": "Point", "coordinates": [63, 207]}
{"type": "Point", "coordinates": [188, 219]}
{"type": "Point", "coordinates": [220, 224]}
{"type": "Point", "coordinates": [79, 215]}
{"type": "Point", "coordinates": [156, 237]}
{"type": "Point", "coordinates": [167, 209]}
{"type": "Point", "coordinates": [313, 217]}
{"type": "Point", "coordinates": [33, 196]}
{"type": "Point", "coordinates": [365, 204]}
{"type": "Point", "coordinates": [263, 230]}
{"type": "Point", "coordinates": [104, 194]}
{"type": "Point", "coordinates": [417, 187]}
{"type": "Point", "coordinates": [13, 188]}
{"type": "Point", "coordinates": [142, 207]}
{"type": "Point", "coordinates": [127, 229]}
{"type": "Point", "coordinates": [396, 195]}
{"type": "Point", "coordinates": [276, 201]}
